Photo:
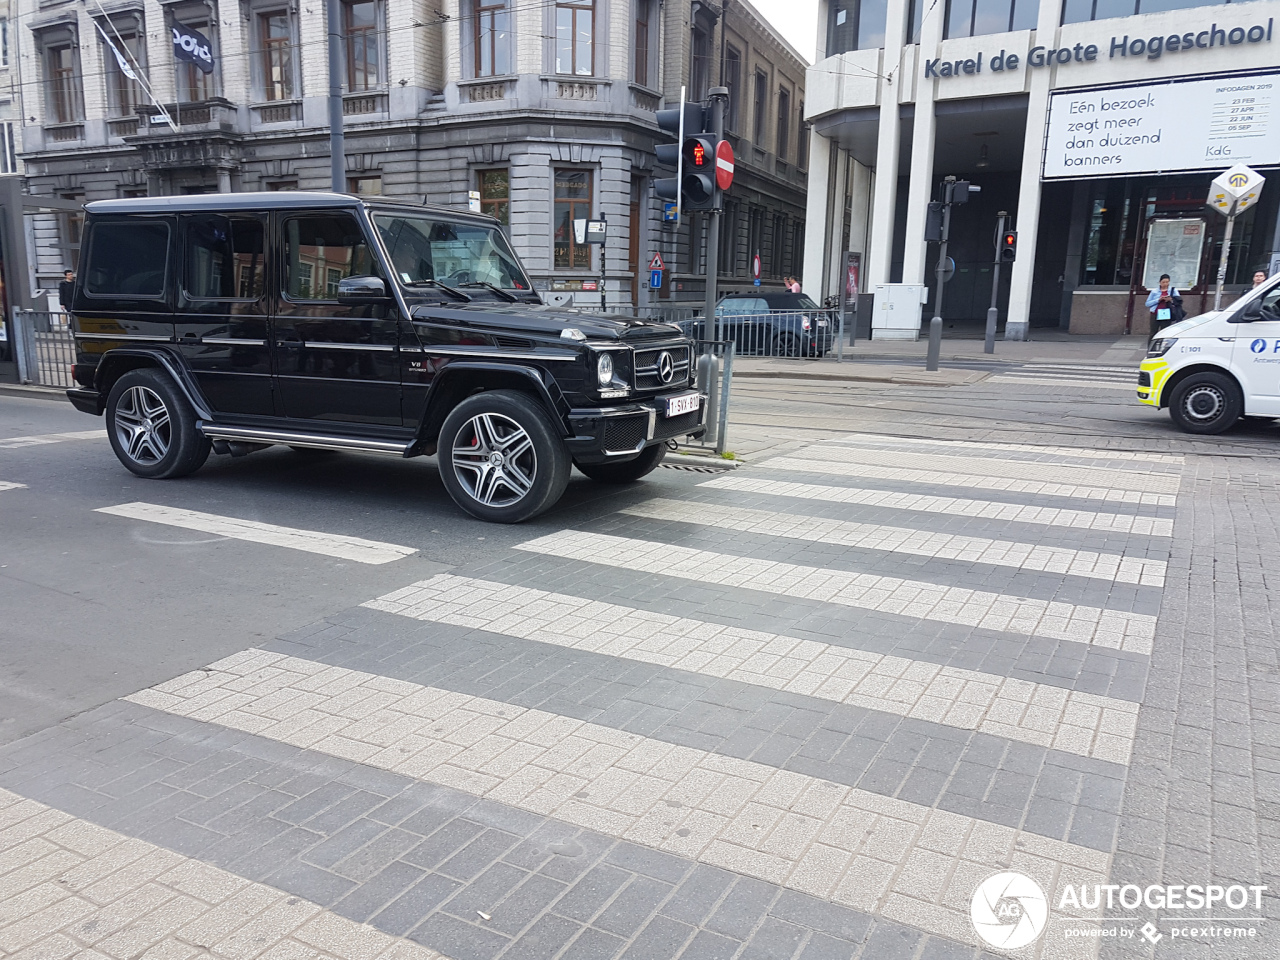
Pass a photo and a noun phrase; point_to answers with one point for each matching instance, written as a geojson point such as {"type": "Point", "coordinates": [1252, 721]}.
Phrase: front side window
{"type": "Point", "coordinates": [127, 260]}
{"type": "Point", "coordinates": [572, 202]}
{"type": "Point", "coordinates": [364, 50]}
{"type": "Point", "coordinates": [495, 195]}
{"type": "Point", "coordinates": [124, 94]}
{"type": "Point", "coordinates": [454, 253]}
{"type": "Point", "coordinates": [314, 246]}
{"type": "Point", "coordinates": [275, 37]}
{"type": "Point", "coordinates": [492, 38]}
{"type": "Point", "coordinates": [223, 258]}
{"type": "Point", "coordinates": [575, 37]}
{"type": "Point", "coordinates": [63, 95]}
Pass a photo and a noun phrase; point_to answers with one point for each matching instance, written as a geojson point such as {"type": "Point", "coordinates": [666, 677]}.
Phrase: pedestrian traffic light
{"type": "Point", "coordinates": [699, 182]}
{"type": "Point", "coordinates": [933, 223]}
{"type": "Point", "coordinates": [680, 122]}
{"type": "Point", "coordinates": [1009, 246]}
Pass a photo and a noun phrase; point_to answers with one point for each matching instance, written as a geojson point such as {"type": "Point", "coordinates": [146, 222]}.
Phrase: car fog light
{"type": "Point", "coordinates": [604, 369]}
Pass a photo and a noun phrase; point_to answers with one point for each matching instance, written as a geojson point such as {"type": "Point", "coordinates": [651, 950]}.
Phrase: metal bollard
{"type": "Point", "coordinates": [935, 344]}
{"type": "Point", "coordinates": [708, 381]}
{"type": "Point", "coordinates": [989, 345]}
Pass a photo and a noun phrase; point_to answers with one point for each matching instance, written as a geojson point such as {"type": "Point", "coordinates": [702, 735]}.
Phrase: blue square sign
{"type": "Point", "coordinates": [655, 279]}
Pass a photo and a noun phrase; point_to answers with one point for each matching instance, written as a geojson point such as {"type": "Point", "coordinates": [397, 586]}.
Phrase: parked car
{"type": "Point", "coordinates": [228, 323]}
{"type": "Point", "coordinates": [774, 324]}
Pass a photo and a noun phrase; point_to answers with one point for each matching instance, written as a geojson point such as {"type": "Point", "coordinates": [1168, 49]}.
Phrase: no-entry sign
{"type": "Point", "coordinates": [724, 164]}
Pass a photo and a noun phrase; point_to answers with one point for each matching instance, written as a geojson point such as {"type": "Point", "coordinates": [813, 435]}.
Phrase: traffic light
{"type": "Point", "coordinates": [700, 172]}
{"type": "Point", "coordinates": [680, 124]}
{"type": "Point", "coordinates": [1009, 246]}
{"type": "Point", "coordinates": [933, 223]}
{"type": "Point", "coordinates": [960, 191]}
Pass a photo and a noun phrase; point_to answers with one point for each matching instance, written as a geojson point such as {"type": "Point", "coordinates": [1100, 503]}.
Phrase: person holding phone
{"type": "Point", "coordinates": [1165, 304]}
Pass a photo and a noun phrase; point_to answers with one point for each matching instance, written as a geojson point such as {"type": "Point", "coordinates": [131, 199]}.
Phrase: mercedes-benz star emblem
{"type": "Point", "coordinates": [666, 367]}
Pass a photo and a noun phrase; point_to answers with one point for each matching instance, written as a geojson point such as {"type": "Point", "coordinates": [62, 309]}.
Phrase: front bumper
{"type": "Point", "coordinates": [1153, 373]}
{"type": "Point", "coordinates": [600, 434]}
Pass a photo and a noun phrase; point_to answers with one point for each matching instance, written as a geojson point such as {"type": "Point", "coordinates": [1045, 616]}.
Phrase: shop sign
{"type": "Point", "coordinates": [1148, 48]}
{"type": "Point", "coordinates": [1162, 127]}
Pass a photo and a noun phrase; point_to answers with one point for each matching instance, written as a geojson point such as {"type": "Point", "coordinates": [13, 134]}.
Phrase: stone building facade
{"type": "Point", "coordinates": [546, 111]}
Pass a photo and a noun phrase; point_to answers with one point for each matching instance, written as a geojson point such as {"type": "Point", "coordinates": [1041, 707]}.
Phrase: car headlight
{"type": "Point", "coordinates": [1158, 348]}
{"type": "Point", "coordinates": [604, 369]}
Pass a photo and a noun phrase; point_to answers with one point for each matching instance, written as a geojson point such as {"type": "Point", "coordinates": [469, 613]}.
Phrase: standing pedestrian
{"type": "Point", "coordinates": [1165, 304]}
{"type": "Point", "coordinates": [794, 286]}
{"type": "Point", "coordinates": [66, 289]}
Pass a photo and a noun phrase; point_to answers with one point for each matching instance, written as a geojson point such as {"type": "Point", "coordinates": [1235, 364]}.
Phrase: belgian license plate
{"type": "Point", "coordinates": [684, 403]}
{"type": "Point", "coordinates": [822, 323]}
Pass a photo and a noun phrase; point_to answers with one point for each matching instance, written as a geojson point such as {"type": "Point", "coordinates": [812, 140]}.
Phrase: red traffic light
{"type": "Point", "coordinates": [1009, 246]}
{"type": "Point", "coordinates": [1010, 239]}
{"type": "Point", "coordinates": [699, 155]}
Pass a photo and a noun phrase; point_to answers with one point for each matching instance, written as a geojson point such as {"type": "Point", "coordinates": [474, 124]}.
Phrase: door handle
{"type": "Point", "coordinates": [289, 342]}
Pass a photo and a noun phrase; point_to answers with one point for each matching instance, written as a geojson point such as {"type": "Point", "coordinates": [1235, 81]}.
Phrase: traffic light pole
{"type": "Point", "coordinates": [717, 96]}
{"type": "Point", "coordinates": [989, 344]}
{"type": "Point", "coordinates": [337, 157]}
{"type": "Point", "coordinates": [935, 325]}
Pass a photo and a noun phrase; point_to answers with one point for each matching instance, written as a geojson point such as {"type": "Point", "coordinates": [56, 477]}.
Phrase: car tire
{"type": "Point", "coordinates": [786, 345]}
{"type": "Point", "coordinates": [152, 427]}
{"type": "Point", "coordinates": [532, 465]}
{"type": "Point", "coordinates": [1206, 403]}
{"type": "Point", "coordinates": [628, 471]}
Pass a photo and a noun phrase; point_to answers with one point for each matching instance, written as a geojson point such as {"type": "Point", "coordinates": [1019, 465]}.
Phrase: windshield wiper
{"type": "Point", "coordinates": [456, 294]}
{"type": "Point", "coordinates": [510, 298]}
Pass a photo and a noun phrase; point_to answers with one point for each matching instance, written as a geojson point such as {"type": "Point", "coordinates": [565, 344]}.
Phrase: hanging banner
{"type": "Point", "coordinates": [193, 47]}
{"type": "Point", "coordinates": [125, 68]}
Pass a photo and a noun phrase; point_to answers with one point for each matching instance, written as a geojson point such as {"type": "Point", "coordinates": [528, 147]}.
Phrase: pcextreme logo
{"type": "Point", "coordinates": [1009, 910]}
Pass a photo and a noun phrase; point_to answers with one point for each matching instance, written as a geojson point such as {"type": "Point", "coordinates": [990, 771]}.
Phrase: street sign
{"type": "Point", "coordinates": [755, 282]}
{"type": "Point", "coordinates": [755, 268]}
{"type": "Point", "coordinates": [945, 270]}
{"type": "Point", "coordinates": [473, 201]}
{"type": "Point", "coordinates": [596, 230]}
{"type": "Point", "coordinates": [656, 263]}
{"type": "Point", "coordinates": [671, 213]}
{"type": "Point", "coordinates": [655, 279]}
{"type": "Point", "coordinates": [1236, 190]}
{"type": "Point", "coordinates": [724, 164]}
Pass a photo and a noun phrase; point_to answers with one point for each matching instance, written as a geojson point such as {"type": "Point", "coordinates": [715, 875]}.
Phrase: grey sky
{"type": "Point", "coordinates": [797, 20]}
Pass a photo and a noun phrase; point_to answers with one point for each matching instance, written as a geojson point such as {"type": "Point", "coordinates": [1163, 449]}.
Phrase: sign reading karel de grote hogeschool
{"type": "Point", "coordinates": [1162, 127]}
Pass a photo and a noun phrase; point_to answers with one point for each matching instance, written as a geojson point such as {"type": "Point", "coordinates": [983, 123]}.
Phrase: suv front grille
{"type": "Point", "coordinates": [648, 367]}
{"type": "Point", "coordinates": [625, 433]}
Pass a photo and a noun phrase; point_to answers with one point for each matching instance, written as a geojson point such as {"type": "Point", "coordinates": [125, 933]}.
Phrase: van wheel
{"type": "Point", "coordinates": [152, 427]}
{"type": "Point", "coordinates": [1206, 403]}
{"type": "Point", "coordinates": [501, 457]}
{"type": "Point", "coordinates": [628, 471]}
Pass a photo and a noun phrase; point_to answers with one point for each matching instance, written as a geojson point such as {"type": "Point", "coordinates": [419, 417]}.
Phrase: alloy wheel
{"type": "Point", "coordinates": [494, 460]}
{"type": "Point", "coordinates": [143, 425]}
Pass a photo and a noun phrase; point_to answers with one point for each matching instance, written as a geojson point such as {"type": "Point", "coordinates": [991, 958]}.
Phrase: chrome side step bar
{"type": "Point", "coordinates": [320, 441]}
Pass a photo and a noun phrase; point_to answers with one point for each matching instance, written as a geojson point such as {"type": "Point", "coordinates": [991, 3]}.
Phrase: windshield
{"type": "Point", "coordinates": [450, 252]}
{"type": "Point", "coordinates": [805, 303]}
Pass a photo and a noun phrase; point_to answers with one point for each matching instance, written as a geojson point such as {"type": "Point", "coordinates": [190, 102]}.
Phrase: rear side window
{"type": "Point", "coordinates": [127, 259]}
{"type": "Point", "coordinates": [224, 257]}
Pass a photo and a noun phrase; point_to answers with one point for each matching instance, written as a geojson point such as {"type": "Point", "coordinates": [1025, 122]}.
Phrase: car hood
{"type": "Point", "coordinates": [1183, 327]}
{"type": "Point", "coordinates": [536, 320]}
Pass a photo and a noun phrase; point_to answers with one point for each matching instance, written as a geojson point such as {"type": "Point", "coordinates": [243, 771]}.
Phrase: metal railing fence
{"type": "Point", "coordinates": [778, 333]}
{"type": "Point", "coordinates": [43, 347]}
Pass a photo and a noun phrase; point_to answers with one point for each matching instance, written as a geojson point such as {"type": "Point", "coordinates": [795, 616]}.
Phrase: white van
{"type": "Point", "coordinates": [1213, 369]}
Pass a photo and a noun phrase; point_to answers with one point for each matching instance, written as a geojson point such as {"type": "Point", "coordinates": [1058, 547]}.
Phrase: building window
{"type": "Point", "coordinates": [124, 95]}
{"type": "Point", "coordinates": [699, 64]}
{"type": "Point", "coordinates": [8, 147]}
{"type": "Point", "coordinates": [728, 250]}
{"type": "Point", "coordinates": [802, 147]}
{"type": "Point", "coordinates": [731, 77]}
{"type": "Point", "coordinates": [855, 25]}
{"type": "Point", "coordinates": [779, 253]}
{"type": "Point", "coordinates": [784, 122]}
{"type": "Point", "coordinates": [575, 37]}
{"type": "Point", "coordinates": [64, 98]}
{"type": "Point", "coordinates": [364, 49]}
{"type": "Point", "coordinates": [976, 18]}
{"type": "Point", "coordinates": [194, 85]}
{"type": "Point", "coordinates": [572, 202]}
{"type": "Point", "coordinates": [755, 231]}
{"type": "Point", "coordinates": [275, 35]}
{"type": "Point", "coordinates": [644, 10]}
{"type": "Point", "coordinates": [495, 195]}
{"type": "Point", "coordinates": [278, 185]}
{"type": "Point", "coordinates": [797, 249]}
{"type": "Point", "coordinates": [1079, 11]}
{"type": "Point", "coordinates": [760, 108]}
{"type": "Point", "coordinates": [71, 228]}
{"type": "Point", "coordinates": [365, 186]}
{"type": "Point", "coordinates": [4, 41]}
{"type": "Point", "coordinates": [492, 38]}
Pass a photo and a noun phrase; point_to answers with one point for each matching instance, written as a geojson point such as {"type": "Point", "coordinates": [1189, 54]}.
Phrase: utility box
{"type": "Point", "coordinates": [897, 311]}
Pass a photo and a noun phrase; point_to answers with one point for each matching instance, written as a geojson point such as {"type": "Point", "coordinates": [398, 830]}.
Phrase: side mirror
{"type": "Point", "coordinates": [362, 290]}
{"type": "Point", "coordinates": [1251, 312]}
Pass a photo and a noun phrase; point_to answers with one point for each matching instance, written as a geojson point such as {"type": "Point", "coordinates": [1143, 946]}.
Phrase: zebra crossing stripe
{"type": "Point", "coordinates": [980, 471]}
{"type": "Point", "coordinates": [6, 485]}
{"type": "Point", "coordinates": [941, 478]}
{"type": "Point", "coordinates": [1041, 380]}
{"type": "Point", "coordinates": [798, 831]}
{"type": "Point", "coordinates": [13, 443]}
{"type": "Point", "coordinates": [913, 599]}
{"type": "Point", "coordinates": [311, 541]}
{"type": "Point", "coordinates": [953, 506]}
{"type": "Point", "coordinates": [922, 543]}
{"type": "Point", "coordinates": [73, 888]}
{"type": "Point", "coordinates": [1047, 716]}
{"type": "Point", "coordinates": [878, 440]}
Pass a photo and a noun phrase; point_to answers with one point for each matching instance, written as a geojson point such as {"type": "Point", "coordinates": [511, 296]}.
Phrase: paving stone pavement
{"type": "Point", "coordinates": [806, 722]}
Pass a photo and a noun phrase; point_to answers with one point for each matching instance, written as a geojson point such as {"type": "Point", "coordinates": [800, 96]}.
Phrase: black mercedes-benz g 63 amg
{"type": "Point", "coordinates": [232, 322]}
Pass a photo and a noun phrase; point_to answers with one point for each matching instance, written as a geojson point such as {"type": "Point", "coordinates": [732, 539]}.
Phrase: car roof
{"type": "Point", "coordinates": [270, 200]}
{"type": "Point", "coordinates": [772, 299]}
